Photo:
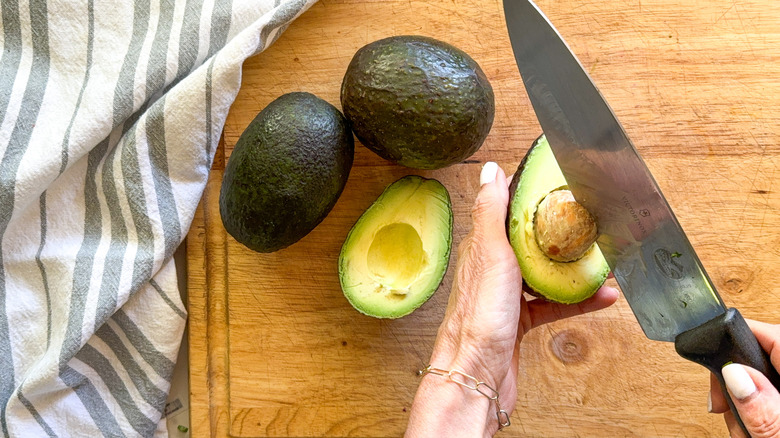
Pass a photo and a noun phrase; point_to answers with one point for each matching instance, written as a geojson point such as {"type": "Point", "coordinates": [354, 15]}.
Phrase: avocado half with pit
{"type": "Point", "coordinates": [395, 256]}
{"type": "Point", "coordinates": [552, 235]}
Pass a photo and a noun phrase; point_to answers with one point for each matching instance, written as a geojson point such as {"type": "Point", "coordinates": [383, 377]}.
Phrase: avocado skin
{"type": "Point", "coordinates": [512, 190]}
{"type": "Point", "coordinates": [417, 101]}
{"type": "Point", "coordinates": [286, 172]}
{"type": "Point", "coordinates": [516, 178]}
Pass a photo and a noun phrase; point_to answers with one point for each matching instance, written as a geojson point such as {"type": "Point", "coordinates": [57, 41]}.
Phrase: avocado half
{"type": "Point", "coordinates": [395, 256]}
{"type": "Point", "coordinates": [286, 172]}
{"type": "Point", "coordinates": [552, 236]}
{"type": "Point", "coordinates": [417, 101]}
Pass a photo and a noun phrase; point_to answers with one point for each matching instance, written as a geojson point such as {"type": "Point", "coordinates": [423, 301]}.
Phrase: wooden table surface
{"type": "Point", "coordinates": [276, 350]}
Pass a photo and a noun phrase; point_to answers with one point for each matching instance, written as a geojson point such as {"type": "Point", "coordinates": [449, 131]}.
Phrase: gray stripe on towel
{"type": "Point", "coordinates": [119, 392]}
{"type": "Point", "coordinates": [42, 267]}
{"type": "Point", "coordinates": [12, 50]}
{"type": "Point", "coordinates": [92, 401]}
{"type": "Point", "coordinates": [159, 363]}
{"type": "Point", "coordinates": [34, 412]}
{"type": "Point", "coordinates": [19, 140]}
{"type": "Point", "coordinates": [168, 300]}
{"type": "Point", "coordinates": [84, 82]}
{"type": "Point", "coordinates": [153, 395]}
{"type": "Point", "coordinates": [158, 156]}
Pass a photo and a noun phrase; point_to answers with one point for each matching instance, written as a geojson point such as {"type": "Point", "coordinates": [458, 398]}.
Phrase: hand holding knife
{"type": "Point", "coordinates": [655, 265]}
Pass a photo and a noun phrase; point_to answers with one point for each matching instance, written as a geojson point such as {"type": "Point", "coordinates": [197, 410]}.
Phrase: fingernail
{"type": "Point", "coordinates": [488, 174]}
{"type": "Point", "coordinates": [738, 381]}
{"type": "Point", "coordinates": [709, 402]}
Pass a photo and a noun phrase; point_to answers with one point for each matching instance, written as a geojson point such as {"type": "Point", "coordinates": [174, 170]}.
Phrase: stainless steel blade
{"type": "Point", "coordinates": [652, 260]}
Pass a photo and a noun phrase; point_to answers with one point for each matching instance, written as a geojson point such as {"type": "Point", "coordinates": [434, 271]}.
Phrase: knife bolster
{"type": "Point", "coordinates": [720, 341]}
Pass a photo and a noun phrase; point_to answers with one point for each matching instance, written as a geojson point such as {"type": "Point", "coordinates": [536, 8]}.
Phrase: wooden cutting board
{"type": "Point", "coordinates": [276, 350]}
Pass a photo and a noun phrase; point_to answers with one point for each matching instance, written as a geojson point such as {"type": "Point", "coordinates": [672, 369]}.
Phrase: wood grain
{"type": "Point", "coordinates": [276, 350]}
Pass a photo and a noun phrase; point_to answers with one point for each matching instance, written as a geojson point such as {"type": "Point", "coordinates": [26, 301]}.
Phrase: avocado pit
{"type": "Point", "coordinates": [564, 229]}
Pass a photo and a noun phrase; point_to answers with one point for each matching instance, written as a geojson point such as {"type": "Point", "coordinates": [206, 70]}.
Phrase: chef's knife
{"type": "Point", "coordinates": [653, 262]}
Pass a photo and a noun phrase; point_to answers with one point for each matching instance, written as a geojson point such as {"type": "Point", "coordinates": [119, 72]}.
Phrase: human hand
{"type": "Point", "coordinates": [486, 318]}
{"type": "Point", "coordinates": [754, 396]}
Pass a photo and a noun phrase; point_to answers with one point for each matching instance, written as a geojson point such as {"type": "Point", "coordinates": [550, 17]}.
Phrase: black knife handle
{"type": "Point", "coordinates": [722, 340]}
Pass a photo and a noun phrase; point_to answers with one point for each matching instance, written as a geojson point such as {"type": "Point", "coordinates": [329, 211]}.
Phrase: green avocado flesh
{"type": "Point", "coordinates": [286, 172]}
{"type": "Point", "coordinates": [417, 101]}
{"type": "Point", "coordinates": [396, 254]}
{"type": "Point", "coordinates": [564, 282]}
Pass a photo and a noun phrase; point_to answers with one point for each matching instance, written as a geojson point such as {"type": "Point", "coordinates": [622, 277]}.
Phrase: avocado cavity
{"type": "Point", "coordinates": [396, 257]}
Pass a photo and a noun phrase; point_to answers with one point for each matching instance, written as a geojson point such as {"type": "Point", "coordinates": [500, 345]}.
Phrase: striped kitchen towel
{"type": "Point", "coordinates": [110, 113]}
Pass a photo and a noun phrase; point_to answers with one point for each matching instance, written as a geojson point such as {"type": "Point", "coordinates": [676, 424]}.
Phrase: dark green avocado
{"type": "Point", "coordinates": [418, 102]}
{"type": "Point", "coordinates": [286, 172]}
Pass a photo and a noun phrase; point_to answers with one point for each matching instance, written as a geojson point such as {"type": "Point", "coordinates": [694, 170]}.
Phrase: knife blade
{"type": "Point", "coordinates": [652, 259]}
{"type": "Point", "coordinates": [650, 255]}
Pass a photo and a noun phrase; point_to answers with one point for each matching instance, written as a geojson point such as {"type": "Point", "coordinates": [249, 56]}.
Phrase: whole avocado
{"type": "Point", "coordinates": [417, 101]}
{"type": "Point", "coordinates": [286, 172]}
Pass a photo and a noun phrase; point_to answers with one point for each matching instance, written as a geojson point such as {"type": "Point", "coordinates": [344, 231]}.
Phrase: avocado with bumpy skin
{"type": "Point", "coordinates": [286, 172]}
{"type": "Point", "coordinates": [552, 235]}
{"type": "Point", "coordinates": [395, 256]}
{"type": "Point", "coordinates": [417, 101]}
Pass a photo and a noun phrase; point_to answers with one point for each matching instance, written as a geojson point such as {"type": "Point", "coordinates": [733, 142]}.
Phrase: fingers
{"type": "Point", "coordinates": [490, 207]}
{"type": "Point", "coordinates": [768, 335]}
{"type": "Point", "coordinates": [717, 402]}
{"type": "Point", "coordinates": [756, 400]}
{"type": "Point", "coordinates": [543, 312]}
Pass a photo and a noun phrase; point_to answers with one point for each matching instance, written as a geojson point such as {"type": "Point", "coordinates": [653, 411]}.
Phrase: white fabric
{"type": "Point", "coordinates": [110, 113]}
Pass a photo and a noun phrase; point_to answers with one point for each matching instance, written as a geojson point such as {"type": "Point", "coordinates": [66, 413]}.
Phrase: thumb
{"type": "Point", "coordinates": [490, 207]}
{"type": "Point", "coordinates": [757, 401]}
